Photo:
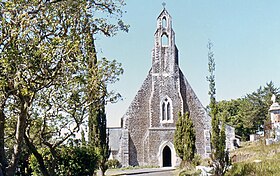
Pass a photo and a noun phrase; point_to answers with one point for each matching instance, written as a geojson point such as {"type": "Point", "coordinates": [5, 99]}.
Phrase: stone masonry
{"type": "Point", "coordinates": [148, 126]}
{"type": "Point", "coordinates": [147, 132]}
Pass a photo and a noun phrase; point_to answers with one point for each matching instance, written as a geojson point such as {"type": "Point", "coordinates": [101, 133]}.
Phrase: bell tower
{"type": "Point", "coordinates": [165, 100]}
{"type": "Point", "coordinates": [164, 53]}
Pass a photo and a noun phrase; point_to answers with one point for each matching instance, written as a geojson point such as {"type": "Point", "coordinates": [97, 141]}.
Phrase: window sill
{"type": "Point", "coordinates": [166, 121]}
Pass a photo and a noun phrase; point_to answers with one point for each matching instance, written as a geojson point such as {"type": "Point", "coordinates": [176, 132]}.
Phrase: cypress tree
{"type": "Point", "coordinates": [97, 123]}
{"type": "Point", "coordinates": [185, 139]}
{"type": "Point", "coordinates": [219, 155]}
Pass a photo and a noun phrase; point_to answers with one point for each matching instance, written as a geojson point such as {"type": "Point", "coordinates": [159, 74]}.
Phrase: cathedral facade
{"type": "Point", "coordinates": [146, 136]}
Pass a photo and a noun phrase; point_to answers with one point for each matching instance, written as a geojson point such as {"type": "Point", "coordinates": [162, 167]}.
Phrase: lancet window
{"type": "Point", "coordinates": [166, 110]}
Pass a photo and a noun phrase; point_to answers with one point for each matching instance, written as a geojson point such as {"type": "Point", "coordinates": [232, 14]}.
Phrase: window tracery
{"type": "Point", "coordinates": [166, 110]}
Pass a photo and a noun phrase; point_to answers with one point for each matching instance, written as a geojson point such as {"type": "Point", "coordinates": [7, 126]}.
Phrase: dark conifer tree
{"type": "Point", "coordinates": [185, 139]}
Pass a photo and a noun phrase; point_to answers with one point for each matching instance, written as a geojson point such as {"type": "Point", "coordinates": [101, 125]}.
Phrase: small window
{"type": "Point", "coordinates": [164, 40]}
{"type": "Point", "coordinates": [164, 22]}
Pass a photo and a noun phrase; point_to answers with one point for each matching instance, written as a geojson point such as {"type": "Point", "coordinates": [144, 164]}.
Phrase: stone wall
{"type": "Point", "coordinates": [136, 121]}
{"type": "Point", "coordinates": [147, 130]}
{"type": "Point", "coordinates": [198, 114]}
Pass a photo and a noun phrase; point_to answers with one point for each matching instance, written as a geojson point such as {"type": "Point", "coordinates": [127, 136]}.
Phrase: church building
{"type": "Point", "coordinates": [146, 136]}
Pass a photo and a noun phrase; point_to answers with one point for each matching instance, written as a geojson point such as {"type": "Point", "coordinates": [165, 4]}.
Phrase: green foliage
{"type": "Point", "coordinates": [260, 102]}
{"type": "Point", "coordinates": [23, 165]}
{"type": "Point", "coordinates": [268, 167]}
{"type": "Point", "coordinates": [185, 138]}
{"type": "Point", "coordinates": [242, 169]}
{"type": "Point", "coordinates": [249, 114]}
{"type": "Point", "coordinates": [197, 160]}
{"type": "Point", "coordinates": [106, 73]}
{"type": "Point", "coordinates": [256, 159]}
{"type": "Point", "coordinates": [72, 161]}
{"type": "Point", "coordinates": [46, 48]}
{"type": "Point", "coordinates": [113, 163]}
{"type": "Point", "coordinates": [102, 140]}
{"type": "Point", "coordinates": [256, 151]}
{"type": "Point", "coordinates": [45, 152]}
{"type": "Point", "coordinates": [190, 172]}
{"type": "Point", "coordinates": [219, 156]}
{"type": "Point", "coordinates": [77, 161]}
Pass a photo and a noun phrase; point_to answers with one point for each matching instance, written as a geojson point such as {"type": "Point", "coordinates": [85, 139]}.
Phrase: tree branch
{"type": "Point", "coordinates": [38, 156]}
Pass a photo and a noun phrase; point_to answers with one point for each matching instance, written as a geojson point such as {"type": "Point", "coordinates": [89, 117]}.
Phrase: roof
{"type": "Point", "coordinates": [164, 12]}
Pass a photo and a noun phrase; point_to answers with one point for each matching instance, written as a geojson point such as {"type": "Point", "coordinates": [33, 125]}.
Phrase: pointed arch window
{"type": "Point", "coordinates": [164, 22]}
{"type": "Point", "coordinates": [163, 111]}
{"type": "Point", "coordinates": [166, 110]}
{"type": "Point", "coordinates": [164, 40]}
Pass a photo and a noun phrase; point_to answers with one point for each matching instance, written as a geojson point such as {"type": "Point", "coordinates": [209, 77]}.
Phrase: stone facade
{"type": "Point", "coordinates": [148, 127]}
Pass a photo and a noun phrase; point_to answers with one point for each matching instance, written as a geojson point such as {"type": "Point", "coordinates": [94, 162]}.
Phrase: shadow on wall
{"type": "Point", "coordinates": [133, 161]}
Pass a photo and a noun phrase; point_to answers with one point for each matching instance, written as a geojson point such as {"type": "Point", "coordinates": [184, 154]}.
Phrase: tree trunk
{"type": "Point", "coordinates": [20, 130]}
{"type": "Point", "coordinates": [2, 142]}
{"type": "Point", "coordinates": [1, 173]}
{"type": "Point", "coordinates": [38, 156]}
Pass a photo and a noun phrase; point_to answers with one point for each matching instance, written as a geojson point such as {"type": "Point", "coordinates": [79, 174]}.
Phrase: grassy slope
{"type": "Point", "coordinates": [256, 159]}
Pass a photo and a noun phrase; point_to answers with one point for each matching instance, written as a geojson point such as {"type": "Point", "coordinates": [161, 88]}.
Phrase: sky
{"type": "Point", "coordinates": [245, 34]}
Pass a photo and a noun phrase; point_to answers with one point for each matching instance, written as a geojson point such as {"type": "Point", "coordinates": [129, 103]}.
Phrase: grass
{"type": "Point", "coordinates": [192, 172]}
{"type": "Point", "coordinates": [256, 159]}
{"type": "Point", "coordinates": [264, 168]}
{"type": "Point", "coordinates": [255, 151]}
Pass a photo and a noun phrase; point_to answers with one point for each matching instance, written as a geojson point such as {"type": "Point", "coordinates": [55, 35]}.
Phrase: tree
{"type": "Point", "coordinates": [219, 156]}
{"type": "Point", "coordinates": [236, 113]}
{"type": "Point", "coordinates": [74, 160]}
{"type": "Point", "coordinates": [184, 140]}
{"type": "Point", "coordinates": [260, 101]}
{"type": "Point", "coordinates": [99, 96]}
{"type": "Point", "coordinates": [43, 61]}
{"type": "Point", "coordinates": [250, 113]}
{"type": "Point", "coordinates": [101, 142]}
{"type": "Point", "coordinates": [98, 137]}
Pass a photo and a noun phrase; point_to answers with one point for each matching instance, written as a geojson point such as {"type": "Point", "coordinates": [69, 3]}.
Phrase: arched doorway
{"type": "Point", "coordinates": [166, 157]}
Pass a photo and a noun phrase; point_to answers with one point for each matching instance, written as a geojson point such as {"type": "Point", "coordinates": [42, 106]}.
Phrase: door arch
{"type": "Point", "coordinates": [166, 157]}
{"type": "Point", "coordinates": [167, 152]}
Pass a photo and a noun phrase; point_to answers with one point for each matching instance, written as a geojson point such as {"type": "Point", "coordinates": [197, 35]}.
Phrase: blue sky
{"type": "Point", "coordinates": [245, 33]}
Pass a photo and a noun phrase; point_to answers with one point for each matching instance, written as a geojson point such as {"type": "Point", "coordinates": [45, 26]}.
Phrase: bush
{"type": "Point", "coordinates": [196, 160]}
{"type": "Point", "coordinates": [113, 163]}
{"type": "Point", "coordinates": [190, 173]}
{"type": "Point", "coordinates": [74, 161]}
{"type": "Point", "coordinates": [241, 169]}
{"type": "Point", "coordinates": [77, 161]}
